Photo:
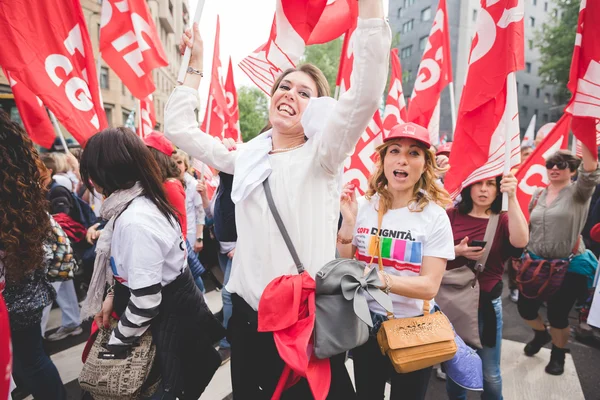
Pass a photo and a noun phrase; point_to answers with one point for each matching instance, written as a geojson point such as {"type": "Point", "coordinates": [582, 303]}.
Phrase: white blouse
{"type": "Point", "coordinates": [305, 182]}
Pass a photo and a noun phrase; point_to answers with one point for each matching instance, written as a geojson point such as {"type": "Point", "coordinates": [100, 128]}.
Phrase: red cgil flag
{"type": "Point", "coordinates": [584, 79]}
{"type": "Point", "coordinates": [130, 44]}
{"type": "Point", "coordinates": [216, 107]}
{"type": "Point", "coordinates": [532, 173]}
{"type": "Point", "coordinates": [488, 108]}
{"type": "Point", "coordinates": [44, 44]}
{"type": "Point", "coordinates": [232, 115]}
{"type": "Point", "coordinates": [434, 74]}
{"type": "Point", "coordinates": [33, 113]}
{"type": "Point", "coordinates": [147, 115]}
{"type": "Point", "coordinates": [395, 105]}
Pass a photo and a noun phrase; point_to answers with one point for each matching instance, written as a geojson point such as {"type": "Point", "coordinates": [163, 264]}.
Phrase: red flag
{"type": "Point", "coordinates": [130, 44]}
{"type": "Point", "coordinates": [232, 116]}
{"type": "Point", "coordinates": [488, 107]}
{"type": "Point", "coordinates": [395, 106]}
{"type": "Point", "coordinates": [532, 173]}
{"type": "Point", "coordinates": [33, 113]}
{"type": "Point", "coordinates": [584, 80]}
{"type": "Point", "coordinates": [435, 72]}
{"type": "Point", "coordinates": [148, 116]}
{"type": "Point", "coordinates": [45, 46]}
{"type": "Point", "coordinates": [346, 61]}
{"type": "Point", "coordinates": [337, 17]}
{"type": "Point", "coordinates": [214, 119]}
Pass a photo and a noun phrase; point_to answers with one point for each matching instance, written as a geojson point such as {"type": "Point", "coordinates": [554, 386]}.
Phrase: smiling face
{"type": "Point", "coordinates": [289, 101]}
{"type": "Point", "coordinates": [484, 193]}
{"type": "Point", "coordinates": [403, 165]}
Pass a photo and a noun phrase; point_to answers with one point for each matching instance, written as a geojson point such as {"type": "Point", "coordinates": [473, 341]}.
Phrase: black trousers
{"type": "Point", "coordinates": [256, 365]}
{"type": "Point", "coordinates": [372, 370]}
{"type": "Point", "coordinates": [559, 305]}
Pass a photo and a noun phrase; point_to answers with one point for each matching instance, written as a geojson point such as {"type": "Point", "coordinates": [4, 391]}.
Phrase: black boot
{"type": "Point", "coordinates": [556, 366]}
{"type": "Point", "coordinates": [540, 339]}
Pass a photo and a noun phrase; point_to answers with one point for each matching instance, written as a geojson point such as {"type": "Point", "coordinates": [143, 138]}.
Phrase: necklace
{"type": "Point", "coordinates": [286, 149]}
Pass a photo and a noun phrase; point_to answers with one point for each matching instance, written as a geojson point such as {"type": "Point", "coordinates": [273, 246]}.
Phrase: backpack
{"type": "Point", "coordinates": [64, 200]}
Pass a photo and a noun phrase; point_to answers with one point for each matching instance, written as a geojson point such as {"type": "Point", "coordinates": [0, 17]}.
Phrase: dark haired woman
{"type": "Point", "coordinates": [302, 156]}
{"type": "Point", "coordinates": [469, 220]}
{"type": "Point", "coordinates": [557, 216]}
{"type": "Point", "coordinates": [142, 248]}
{"type": "Point", "coordinates": [24, 228]}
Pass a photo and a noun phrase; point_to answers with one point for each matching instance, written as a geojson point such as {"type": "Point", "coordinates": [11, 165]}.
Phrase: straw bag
{"type": "Point", "coordinates": [415, 343]}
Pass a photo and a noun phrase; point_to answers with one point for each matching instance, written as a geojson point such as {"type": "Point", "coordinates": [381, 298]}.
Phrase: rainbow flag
{"type": "Point", "coordinates": [397, 249]}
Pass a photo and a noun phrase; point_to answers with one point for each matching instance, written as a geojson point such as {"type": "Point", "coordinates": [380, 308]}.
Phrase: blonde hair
{"type": "Point", "coordinates": [424, 191]}
{"type": "Point", "coordinates": [57, 162]}
{"type": "Point", "coordinates": [184, 156]}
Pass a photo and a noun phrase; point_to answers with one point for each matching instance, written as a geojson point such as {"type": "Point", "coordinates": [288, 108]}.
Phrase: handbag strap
{"type": "Point", "coordinates": [281, 226]}
{"type": "Point", "coordinates": [490, 234]}
{"type": "Point", "coordinates": [390, 315]}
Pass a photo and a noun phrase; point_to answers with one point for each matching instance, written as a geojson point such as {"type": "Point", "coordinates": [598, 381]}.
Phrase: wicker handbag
{"type": "Point", "coordinates": [108, 377]}
{"type": "Point", "coordinates": [415, 343]}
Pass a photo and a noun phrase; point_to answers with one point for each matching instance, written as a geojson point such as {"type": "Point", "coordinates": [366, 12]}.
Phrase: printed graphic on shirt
{"type": "Point", "coordinates": [113, 267]}
{"type": "Point", "coordinates": [399, 249]}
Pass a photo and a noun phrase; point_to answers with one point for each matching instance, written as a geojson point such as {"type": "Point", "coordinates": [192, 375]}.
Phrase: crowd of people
{"type": "Point", "coordinates": [127, 227]}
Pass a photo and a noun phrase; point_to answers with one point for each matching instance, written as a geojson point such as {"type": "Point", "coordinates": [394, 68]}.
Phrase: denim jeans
{"type": "Point", "coordinates": [33, 367]}
{"type": "Point", "coordinates": [195, 266]}
{"type": "Point", "coordinates": [69, 306]}
{"type": "Point", "coordinates": [490, 358]}
{"type": "Point", "coordinates": [225, 264]}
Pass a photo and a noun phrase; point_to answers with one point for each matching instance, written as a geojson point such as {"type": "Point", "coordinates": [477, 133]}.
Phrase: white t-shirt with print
{"type": "Point", "coordinates": [406, 237]}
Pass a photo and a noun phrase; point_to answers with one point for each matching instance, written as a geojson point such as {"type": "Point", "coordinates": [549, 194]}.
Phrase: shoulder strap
{"type": "Point", "coordinates": [281, 226]}
{"type": "Point", "coordinates": [490, 234]}
{"type": "Point", "coordinates": [536, 197]}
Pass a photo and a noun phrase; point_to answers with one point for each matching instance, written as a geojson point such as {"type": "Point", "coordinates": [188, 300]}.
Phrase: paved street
{"type": "Point", "coordinates": [524, 377]}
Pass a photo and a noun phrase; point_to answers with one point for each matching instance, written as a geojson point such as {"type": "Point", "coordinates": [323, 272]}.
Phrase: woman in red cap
{"type": "Point", "coordinates": [302, 156]}
{"type": "Point", "coordinates": [416, 243]}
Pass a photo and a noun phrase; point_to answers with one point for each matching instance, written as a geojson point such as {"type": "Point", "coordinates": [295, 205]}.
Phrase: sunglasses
{"type": "Point", "coordinates": [559, 165]}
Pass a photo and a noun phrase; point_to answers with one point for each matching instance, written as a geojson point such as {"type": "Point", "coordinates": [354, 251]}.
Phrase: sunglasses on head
{"type": "Point", "coordinates": [559, 164]}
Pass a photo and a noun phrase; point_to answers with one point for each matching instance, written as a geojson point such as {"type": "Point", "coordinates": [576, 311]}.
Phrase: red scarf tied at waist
{"type": "Point", "coordinates": [287, 308]}
{"type": "Point", "coordinates": [73, 229]}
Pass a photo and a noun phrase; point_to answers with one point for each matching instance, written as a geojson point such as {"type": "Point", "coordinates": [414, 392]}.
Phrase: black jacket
{"type": "Point", "coordinates": [224, 214]}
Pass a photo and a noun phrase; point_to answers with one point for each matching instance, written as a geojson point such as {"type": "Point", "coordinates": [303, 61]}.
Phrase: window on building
{"type": "Point", "coordinates": [407, 76]}
{"type": "Point", "coordinates": [124, 114]}
{"type": "Point", "coordinates": [528, 67]}
{"type": "Point", "coordinates": [103, 78]}
{"type": "Point", "coordinates": [524, 111]}
{"type": "Point", "coordinates": [547, 98]}
{"type": "Point", "coordinates": [545, 118]}
{"type": "Point", "coordinates": [530, 44]}
{"type": "Point", "coordinates": [408, 3]}
{"type": "Point", "coordinates": [426, 14]}
{"type": "Point", "coordinates": [400, 12]}
{"type": "Point", "coordinates": [536, 112]}
{"type": "Point", "coordinates": [532, 22]}
{"type": "Point", "coordinates": [526, 90]}
{"type": "Point", "coordinates": [474, 15]}
{"type": "Point", "coordinates": [423, 42]}
{"type": "Point", "coordinates": [406, 52]}
{"type": "Point", "coordinates": [123, 92]}
{"type": "Point", "coordinates": [99, 31]}
{"type": "Point", "coordinates": [408, 26]}
{"type": "Point", "coordinates": [171, 7]}
{"type": "Point", "coordinates": [555, 13]}
{"type": "Point", "coordinates": [546, 6]}
{"type": "Point", "coordinates": [537, 93]}
{"type": "Point", "coordinates": [108, 109]}
{"type": "Point", "coordinates": [535, 2]}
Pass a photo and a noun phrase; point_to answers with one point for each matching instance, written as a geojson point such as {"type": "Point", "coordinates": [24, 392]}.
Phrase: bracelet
{"type": "Point", "coordinates": [110, 291]}
{"type": "Point", "coordinates": [341, 240]}
{"type": "Point", "coordinates": [194, 71]}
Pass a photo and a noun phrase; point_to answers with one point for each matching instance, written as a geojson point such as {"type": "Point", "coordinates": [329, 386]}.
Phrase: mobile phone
{"type": "Point", "coordinates": [477, 243]}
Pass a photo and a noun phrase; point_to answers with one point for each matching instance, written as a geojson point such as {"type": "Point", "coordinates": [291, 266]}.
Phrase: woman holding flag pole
{"type": "Point", "coordinates": [302, 156]}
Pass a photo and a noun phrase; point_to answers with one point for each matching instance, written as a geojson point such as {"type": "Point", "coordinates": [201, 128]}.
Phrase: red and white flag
{"type": "Point", "coordinates": [216, 107]}
{"type": "Point", "coordinates": [435, 72]}
{"type": "Point", "coordinates": [130, 44]}
{"type": "Point", "coordinates": [45, 46]}
{"type": "Point", "coordinates": [33, 113]}
{"type": "Point", "coordinates": [147, 116]}
{"type": "Point", "coordinates": [488, 108]}
{"type": "Point", "coordinates": [296, 24]}
{"type": "Point", "coordinates": [584, 80]}
{"type": "Point", "coordinates": [532, 174]}
{"type": "Point", "coordinates": [232, 116]}
{"type": "Point", "coordinates": [395, 106]}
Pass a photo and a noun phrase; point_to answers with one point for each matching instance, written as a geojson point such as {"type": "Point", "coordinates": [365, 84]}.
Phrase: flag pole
{"type": "Point", "coordinates": [452, 106]}
{"type": "Point", "coordinates": [185, 62]}
{"type": "Point", "coordinates": [337, 92]}
{"type": "Point", "coordinates": [138, 108]}
{"type": "Point", "coordinates": [574, 145]}
{"type": "Point", "coordinates": [511, 86]}
{"type": "Point", "coordinates": [209, 109]}
{"type": "Point", "coordinates": [58, 131]}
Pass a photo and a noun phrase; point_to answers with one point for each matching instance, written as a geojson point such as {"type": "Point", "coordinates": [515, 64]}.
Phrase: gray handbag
{"type": "Point", "coordinates": [342, 316]}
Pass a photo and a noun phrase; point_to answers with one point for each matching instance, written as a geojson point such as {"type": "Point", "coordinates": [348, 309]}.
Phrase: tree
{"type": "Point", "coordinates": [253, 105]}
{"type": "Point", "coordinates": [556, 40]}
{"type": "Point", "coordinates": [327, 57]}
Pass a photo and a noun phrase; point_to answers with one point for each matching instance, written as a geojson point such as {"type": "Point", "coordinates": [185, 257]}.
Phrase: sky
{"type": "Point", "coordinates": [245, 25]}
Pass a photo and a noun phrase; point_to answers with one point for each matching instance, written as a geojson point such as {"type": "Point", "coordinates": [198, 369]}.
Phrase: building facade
{"type": "Point", "coordinates": [411, 20]}
{"type": "Point", "coordinates": [171, 18]}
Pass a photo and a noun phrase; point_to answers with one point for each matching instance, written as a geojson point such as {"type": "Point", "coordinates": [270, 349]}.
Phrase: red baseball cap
{"type": "Point", "coordinates": [595, 233]}
{"type": "Point", "coordinates": [158, 141]}
{"type": "Point", "coordinates": [444, 148]}
{"type": "Point", "coordinates": [410, 130]}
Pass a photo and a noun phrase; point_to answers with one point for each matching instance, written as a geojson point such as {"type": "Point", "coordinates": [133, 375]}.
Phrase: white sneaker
{"type": "Point", "coordinates": [440, 374]}
{"type": "Point", "coordinates": [63, 332]}
{"type": "Point", "coordinates": [514, 295]}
